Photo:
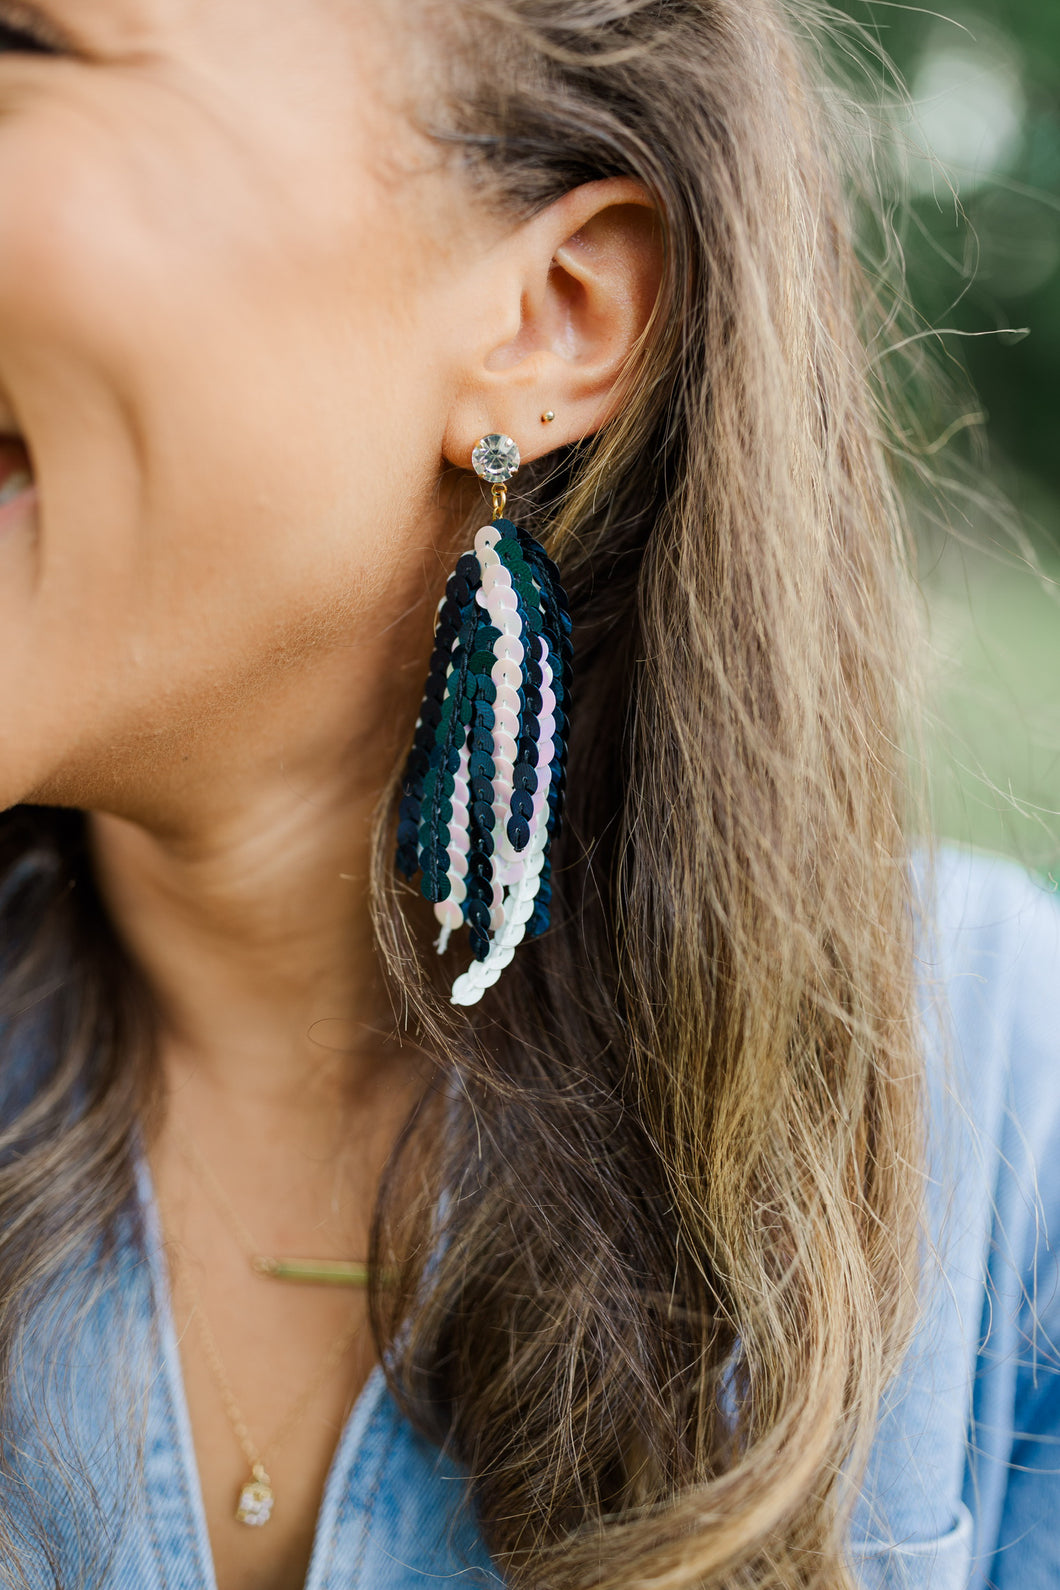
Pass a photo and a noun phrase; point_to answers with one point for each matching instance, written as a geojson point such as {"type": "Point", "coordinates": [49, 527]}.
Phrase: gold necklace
{"type": "Point", "coordinates": [313, 1272]}
{"type": "Point", "coordinates": [256, 1495]}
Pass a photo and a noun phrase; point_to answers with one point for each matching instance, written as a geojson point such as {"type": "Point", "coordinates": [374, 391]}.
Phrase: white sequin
{"type": "Point", "coordinates": [517, 874]}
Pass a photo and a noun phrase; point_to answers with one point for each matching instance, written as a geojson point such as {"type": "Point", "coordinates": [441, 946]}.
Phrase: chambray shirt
{"type": "Point", "coordinates": [963, 1490]}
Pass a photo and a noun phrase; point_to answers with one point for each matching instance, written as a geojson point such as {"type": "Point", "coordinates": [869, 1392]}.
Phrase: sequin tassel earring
{"type": "Point", "coordinates": [484, 781]}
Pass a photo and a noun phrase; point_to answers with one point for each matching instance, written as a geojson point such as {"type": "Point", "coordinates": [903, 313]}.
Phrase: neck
{"type": "Point", "coordinates": [239, 883]}
{"type": "Point", "coordinates": [251, 925]}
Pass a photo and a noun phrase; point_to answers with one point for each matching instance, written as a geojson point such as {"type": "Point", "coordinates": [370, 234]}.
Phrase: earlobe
{"type": "Point", "coordinates": [580, 282]}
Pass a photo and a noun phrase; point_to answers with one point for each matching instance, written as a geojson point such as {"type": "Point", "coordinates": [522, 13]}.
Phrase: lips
{"type": "Point", "coordinates": [16, 471]}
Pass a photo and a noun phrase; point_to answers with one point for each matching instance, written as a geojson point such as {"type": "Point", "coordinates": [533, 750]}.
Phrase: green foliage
{"type": "Point", "coordinates": [984, 258]}
{"type": "Point", "coordinates": [982, 253]}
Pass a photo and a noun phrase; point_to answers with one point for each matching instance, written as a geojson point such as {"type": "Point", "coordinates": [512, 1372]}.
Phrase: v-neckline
{"type": "Point", "coordinates": [366, 1405]}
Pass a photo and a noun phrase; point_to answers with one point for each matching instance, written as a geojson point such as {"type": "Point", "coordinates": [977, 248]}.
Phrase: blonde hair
{"type": "Point", "coordinates": [654, 1239]}
{"type": "Point", "coordinates": [680, 1173]}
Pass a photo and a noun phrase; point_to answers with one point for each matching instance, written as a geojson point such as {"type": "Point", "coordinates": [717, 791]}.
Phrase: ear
{"type": "Point", "coordinates": [567, 297]}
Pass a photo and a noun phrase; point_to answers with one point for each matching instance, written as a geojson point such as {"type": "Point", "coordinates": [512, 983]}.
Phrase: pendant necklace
{"type": "Point", "coordinates": [257, 1497]}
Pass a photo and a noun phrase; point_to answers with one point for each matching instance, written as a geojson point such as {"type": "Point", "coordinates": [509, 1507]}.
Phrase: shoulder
{"type": "Point", "coordinates": [991, 938]}
{"type": "Point", "coordinates": [953, 1486]}
{"type": "Point", "coordinates": [989, 976]}
{"type": "Point", "coordinates": [989, 984]}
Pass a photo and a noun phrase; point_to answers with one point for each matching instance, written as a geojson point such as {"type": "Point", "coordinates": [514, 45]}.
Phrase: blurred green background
{"type": "Point", "coordinates": [981, 238]}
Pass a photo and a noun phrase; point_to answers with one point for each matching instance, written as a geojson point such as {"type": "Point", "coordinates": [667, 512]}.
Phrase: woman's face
{"type": "Point", "coordinates": [234, 288]}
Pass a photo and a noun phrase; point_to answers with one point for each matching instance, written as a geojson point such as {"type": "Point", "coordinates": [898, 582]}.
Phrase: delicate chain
{"type": "Point", "coordinates": [331, 1360]}
{"type": "Point", "coordinates": [224, 1204]}
{"type": "Point", "coordinates": [330, 1272]}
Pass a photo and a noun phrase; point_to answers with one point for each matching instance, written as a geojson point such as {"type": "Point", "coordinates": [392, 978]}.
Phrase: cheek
{"type": "Point", "coordinates": [231, 416]}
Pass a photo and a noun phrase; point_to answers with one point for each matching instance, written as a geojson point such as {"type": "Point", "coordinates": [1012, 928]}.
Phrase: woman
{"type": "Point", "coordinates": [643, 1226]}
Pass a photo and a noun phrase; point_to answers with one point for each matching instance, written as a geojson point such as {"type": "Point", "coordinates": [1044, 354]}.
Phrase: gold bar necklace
{"type": "Point", "coordinates": [307, 1272]}
{"type": "Point", "coordinates": [320, 1272]}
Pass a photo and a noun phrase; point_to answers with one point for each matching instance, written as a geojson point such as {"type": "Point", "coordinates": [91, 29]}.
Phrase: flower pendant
{"type": "Point", "coordinates": [256, 1499]}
